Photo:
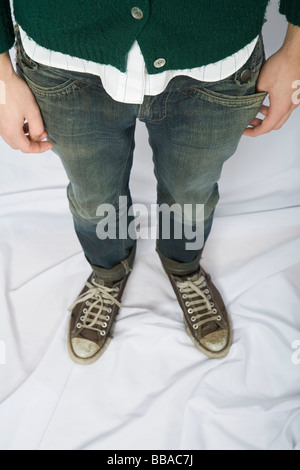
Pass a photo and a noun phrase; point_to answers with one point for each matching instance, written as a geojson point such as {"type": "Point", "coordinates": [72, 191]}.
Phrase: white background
{"type": "Point", "coordinates": [153, 389]}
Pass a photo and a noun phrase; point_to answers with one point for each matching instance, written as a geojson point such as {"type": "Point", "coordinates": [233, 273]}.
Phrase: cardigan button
{"type": "Point", "coordinates": [137, 13]}
{"type": "Point", "coordinates": [159, 63]}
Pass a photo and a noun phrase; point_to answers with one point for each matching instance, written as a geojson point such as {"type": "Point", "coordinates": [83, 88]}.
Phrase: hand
{"type": "Point", "coordinates": [277, 76]}
{"type": "Point", "coordinates": [20, 104]}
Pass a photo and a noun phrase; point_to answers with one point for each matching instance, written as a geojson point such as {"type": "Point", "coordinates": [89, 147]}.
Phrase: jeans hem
{"type": "Point", "coordinates": [176, 268]}
{"type": "Point", "coordinates": [119, 271]}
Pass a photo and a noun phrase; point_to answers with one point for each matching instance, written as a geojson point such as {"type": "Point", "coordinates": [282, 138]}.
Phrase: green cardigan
{"type": "Point", "coordinates": [186, 33]}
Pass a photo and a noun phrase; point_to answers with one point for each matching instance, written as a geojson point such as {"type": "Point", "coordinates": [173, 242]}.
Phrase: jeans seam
{"type": "Point", "coordinates": [123, 177]}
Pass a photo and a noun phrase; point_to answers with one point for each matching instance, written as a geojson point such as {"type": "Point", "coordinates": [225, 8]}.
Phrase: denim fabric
{"type": "Point", "coordinates": [193, 126]}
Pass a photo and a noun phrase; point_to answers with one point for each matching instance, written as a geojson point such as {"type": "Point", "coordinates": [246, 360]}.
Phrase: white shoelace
{"type": "Point", "coordinates": [98, 300]}
{"type": "Point", "coordinates": [197, 298]}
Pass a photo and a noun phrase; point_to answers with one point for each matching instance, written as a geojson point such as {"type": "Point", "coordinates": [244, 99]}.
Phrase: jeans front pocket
{"type": "Point", "coordinates": [43, 80]}
{"type": "Point", "coordinates": [240, 89]}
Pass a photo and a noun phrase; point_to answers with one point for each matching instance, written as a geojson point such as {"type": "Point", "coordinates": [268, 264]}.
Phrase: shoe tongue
{"type": "Point", "coordinates": [188, 277]}
{"type": "Point", "coordinates": [101, 282]}
{"type": "Point", "coordinates": [109, 284]}
{"type": "Point", "coordinates": [98, 281]}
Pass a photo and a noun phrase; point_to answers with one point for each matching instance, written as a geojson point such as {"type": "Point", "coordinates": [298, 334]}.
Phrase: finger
{"type": "Point", "coordinates": [35, 124]}
{"type": "Point", "coordinates": [264, 110]}
{"type": "Point", "coordinates": [26, 145]}
{"type": "Point", "coordinates": [255, 122]}
{"type": "Point", "coordinates": [273, 118]}
{"type": "Point", "coordinates": [44, 135]}
{"type": "Point", "coordinates": [283, 121]}
{"type": "Point", "coordinates": [26, 132]}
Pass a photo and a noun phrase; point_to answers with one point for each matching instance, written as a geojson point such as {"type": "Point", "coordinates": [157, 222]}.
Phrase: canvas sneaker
{"type": "Point", "coordinates": [205, 316]}
{"type": "Point", "coordinates": [93, 318]}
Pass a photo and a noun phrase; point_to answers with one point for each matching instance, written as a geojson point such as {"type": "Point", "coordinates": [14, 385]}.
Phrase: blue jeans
{"type": "Point", "coordinates": [193, 126]}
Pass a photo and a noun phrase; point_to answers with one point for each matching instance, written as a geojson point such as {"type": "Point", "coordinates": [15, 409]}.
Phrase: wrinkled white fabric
{"type": "Point", "coordinates": [152, 389]}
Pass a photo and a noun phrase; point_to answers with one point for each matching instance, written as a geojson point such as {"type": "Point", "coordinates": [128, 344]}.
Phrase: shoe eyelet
{"type": "Point", "coordinates": [85, 310]}
{"type": "Point", "coordinates": [219, 318]}
{"type": "Point", "coordinates": [103, 333]}
{"type": "Point", "coordinates": [212, 304]}
{"type": "Point", "coordinates": [87, 303]}
{"type": "Point", "coordinates": [184, 296]}
{"type": "Point", "coordinates": [104, 325]}
{"type": "Point", "coordinates": [190, 311]}
{"type": "Point", "coordinates": [196, 327]}
{"type": "Point", "coordinates": [112, 302]}
{"type": "Point", "coordinates": [209, 297]}
{"type": "Point", "coordinates": [187, 304]}
{"type": "Point", "coordinates": [109, 310]}
{"type": "Point", "coordinates": [78, 326]}
{"type": "Point", "coordinates": [193, 319]}
{"type": "Point", "coordinates": [82, 319]}
{"type": "Point", "coordinates": [107, 318]}
{"type": "Point", "coordinates": [215, 311]}
{"type": "Point", "coordinates": [117, 289]}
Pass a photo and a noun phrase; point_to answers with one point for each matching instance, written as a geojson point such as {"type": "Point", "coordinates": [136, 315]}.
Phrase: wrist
{"type": "Point", "coordinates": [6, 67]}
{"type": "Point", "coordinates": [291, 45]}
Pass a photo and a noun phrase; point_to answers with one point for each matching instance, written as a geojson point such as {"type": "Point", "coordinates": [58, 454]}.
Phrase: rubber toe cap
{"type": "Point", "coordinates": [216, 342]}
{"type": "Point", "coordinates": [83, 348]}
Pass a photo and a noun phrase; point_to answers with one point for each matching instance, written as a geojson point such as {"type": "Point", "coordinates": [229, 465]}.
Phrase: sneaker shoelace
{"type": "Point", "coordinates": [99, 301]}
{"type": "Point", "coordinates": [197, 298]}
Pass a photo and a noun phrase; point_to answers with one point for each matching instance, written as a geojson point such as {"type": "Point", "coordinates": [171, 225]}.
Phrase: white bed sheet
{"type": "Point", "coordinates": [153, 389]}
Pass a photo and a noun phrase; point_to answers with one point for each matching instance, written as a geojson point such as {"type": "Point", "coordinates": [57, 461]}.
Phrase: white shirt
{"type": "Point", "coordinates": [131, 86]}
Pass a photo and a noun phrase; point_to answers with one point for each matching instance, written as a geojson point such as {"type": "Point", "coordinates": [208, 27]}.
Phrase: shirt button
{"type": "Point", "coordinates": [137, 13]}
{"type": "Point", "coordinates": [159, 63]}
